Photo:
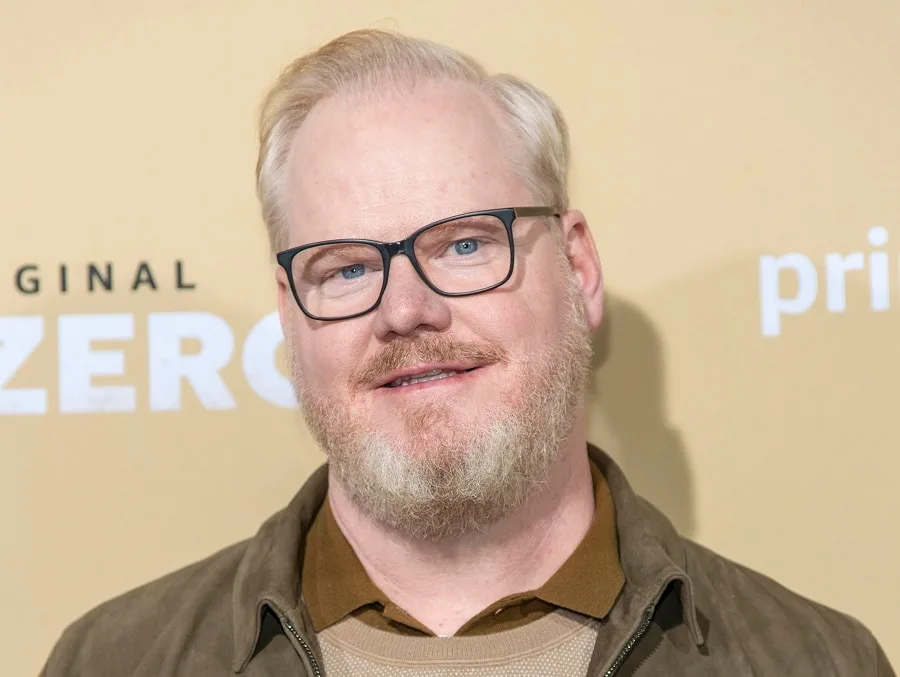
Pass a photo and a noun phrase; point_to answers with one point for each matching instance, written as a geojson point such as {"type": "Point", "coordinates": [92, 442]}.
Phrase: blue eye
{"type": "Point", "coordinates": [465, 246]}
{"type": "Point", "coordinates": [352, 272]}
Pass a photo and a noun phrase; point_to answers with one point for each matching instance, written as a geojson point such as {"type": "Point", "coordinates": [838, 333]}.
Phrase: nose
{"type": "Point", "coordinates": [408, 304]}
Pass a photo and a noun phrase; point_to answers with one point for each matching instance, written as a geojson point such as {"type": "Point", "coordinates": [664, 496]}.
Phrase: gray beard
{"type": "Point", "coordinates": [444, 483]}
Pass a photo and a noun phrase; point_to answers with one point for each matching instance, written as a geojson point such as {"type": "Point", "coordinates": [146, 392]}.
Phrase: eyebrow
{"type": "Point", "coordinates": [336, 250]}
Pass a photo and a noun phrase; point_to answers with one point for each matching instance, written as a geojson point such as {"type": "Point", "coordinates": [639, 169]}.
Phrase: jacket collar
{"type": "Point", "coordinates": [651, 552]}
{"type": "Point", "coordinates": [269, 573]}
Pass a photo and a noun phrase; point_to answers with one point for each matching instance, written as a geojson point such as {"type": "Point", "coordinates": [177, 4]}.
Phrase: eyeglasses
{"type": "Point", "coordinates": [461, 255]}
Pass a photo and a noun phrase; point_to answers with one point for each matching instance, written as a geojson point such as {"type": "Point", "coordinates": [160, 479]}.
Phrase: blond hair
{"type": "Point", "coordinates": [368, 59]}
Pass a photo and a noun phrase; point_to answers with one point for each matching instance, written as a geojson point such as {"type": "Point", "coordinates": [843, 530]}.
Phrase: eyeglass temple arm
{"type": "Point", "coordinates": [536, 211]}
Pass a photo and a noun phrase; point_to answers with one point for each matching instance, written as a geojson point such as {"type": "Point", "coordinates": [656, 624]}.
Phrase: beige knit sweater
{"type": "Point", "coordinates": [556, 645]}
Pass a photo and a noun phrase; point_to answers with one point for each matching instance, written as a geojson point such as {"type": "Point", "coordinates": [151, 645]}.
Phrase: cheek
{"type": "Point", "coordinates": [521, 322]}
{"type": "Point", "coordinates": [531, 312]}
{"type": "Point", "coordinates": [326, 355]}
{"type": "Point", "coordinates": [535, 310]}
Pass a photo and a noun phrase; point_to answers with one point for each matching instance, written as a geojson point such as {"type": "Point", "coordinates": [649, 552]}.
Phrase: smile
{"type": "Point", "coordinates": [432, 375]}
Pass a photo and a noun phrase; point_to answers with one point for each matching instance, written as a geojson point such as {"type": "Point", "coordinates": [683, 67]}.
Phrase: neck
{"type": "Point", "coordinates": [444, 584]}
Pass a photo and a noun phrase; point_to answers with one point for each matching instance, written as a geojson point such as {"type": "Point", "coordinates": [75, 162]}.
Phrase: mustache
{"type": "Point", "coordinates": [426, 348]}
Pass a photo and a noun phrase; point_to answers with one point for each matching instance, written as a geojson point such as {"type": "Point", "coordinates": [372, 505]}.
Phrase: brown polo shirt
{"type": "Point", "coordinates": [336, 585]}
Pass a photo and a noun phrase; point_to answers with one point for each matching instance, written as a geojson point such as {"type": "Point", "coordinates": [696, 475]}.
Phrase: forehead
{"type": "Point", "coordinates": [379, 167]}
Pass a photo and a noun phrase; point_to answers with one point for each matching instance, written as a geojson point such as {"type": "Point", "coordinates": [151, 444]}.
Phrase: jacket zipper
{"type": "Point", "coordinates": [629, 647]}
{"type": "Point", "coordinates": [317, 672]}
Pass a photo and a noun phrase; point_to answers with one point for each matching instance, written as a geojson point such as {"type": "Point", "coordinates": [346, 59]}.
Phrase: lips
{"type": "Point", "coordinates": [431, 375]}
{"type": "Point", "coordinates": [423, 374]}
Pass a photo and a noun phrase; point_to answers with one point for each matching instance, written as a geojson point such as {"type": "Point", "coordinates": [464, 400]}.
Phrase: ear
{"type": "Point", "coordinates": [581, 253]}
{"type": "Point", "coordinates": [284, 296]}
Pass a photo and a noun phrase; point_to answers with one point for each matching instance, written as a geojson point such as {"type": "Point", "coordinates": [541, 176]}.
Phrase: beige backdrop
{"type": "Point", "coordinates": [738, 162]}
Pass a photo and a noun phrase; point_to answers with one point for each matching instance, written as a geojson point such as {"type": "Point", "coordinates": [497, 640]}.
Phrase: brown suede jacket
{"type": "Point", "coordinates": [683, 611]}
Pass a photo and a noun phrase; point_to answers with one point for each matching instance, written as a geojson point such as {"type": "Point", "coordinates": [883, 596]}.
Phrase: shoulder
{"type": "Point", "coordinates": [764, 617]}
{"type": "Point", "coordinates": [114, 637]}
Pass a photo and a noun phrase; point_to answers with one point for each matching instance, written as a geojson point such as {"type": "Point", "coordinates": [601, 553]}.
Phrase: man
{"type": "Point", "coordinates": [437, 294]}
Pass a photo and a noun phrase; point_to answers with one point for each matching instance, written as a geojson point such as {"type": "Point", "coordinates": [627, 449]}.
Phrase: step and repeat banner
{"type": "Point", "coordinates": [739, 164]}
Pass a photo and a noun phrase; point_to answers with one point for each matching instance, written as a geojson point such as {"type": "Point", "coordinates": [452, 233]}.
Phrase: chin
{"type": "Point", "coordinates": [430, 442]}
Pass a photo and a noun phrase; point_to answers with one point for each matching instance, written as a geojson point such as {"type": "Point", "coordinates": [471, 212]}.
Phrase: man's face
{"type": "Point", "coordinates": [423, 457]}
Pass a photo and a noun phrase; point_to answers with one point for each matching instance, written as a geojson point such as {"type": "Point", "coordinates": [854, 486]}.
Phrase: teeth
{"type": "Point", "coordinates": [432, 375]}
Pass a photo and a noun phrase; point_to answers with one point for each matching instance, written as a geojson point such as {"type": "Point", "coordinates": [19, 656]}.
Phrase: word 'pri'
{"type": "Point", "coordinates": [774, 304]}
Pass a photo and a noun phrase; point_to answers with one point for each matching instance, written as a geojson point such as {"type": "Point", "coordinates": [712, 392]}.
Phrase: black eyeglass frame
{"type": "Point", "coordinates": [507, 215]}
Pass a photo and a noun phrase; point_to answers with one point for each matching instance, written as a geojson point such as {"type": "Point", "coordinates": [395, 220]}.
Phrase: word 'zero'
{"type": "Point", "coordinates": [81, 362]}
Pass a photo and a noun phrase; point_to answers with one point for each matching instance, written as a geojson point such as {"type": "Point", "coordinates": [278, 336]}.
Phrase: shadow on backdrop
{"type": "Point", "coordinates": [629, 416]}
